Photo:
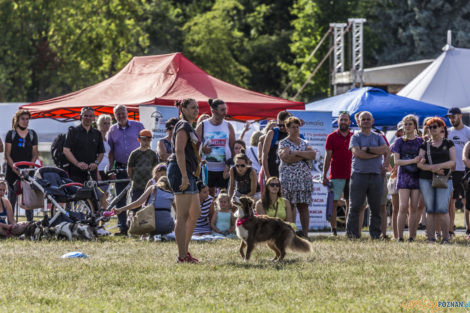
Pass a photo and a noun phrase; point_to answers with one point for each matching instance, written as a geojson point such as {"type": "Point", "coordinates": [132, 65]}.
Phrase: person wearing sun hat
{"type": "Point", "coordinates": [141, 163]}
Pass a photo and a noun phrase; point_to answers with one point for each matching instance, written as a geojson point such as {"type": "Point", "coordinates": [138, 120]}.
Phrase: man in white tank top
{"type": "Point", "coordinates": [218, 137]}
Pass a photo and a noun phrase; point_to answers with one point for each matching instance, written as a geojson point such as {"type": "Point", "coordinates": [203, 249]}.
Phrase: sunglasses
{"type": "Point", "coordinates": [240, 165]}
{"type": "Point", "coordinates": [281, 125]}
{"type": "Point", "coordinates": [343, 112]}
{"type": "Point", "coordinates": [275, 184]}
{"type": "Point", "coordinates": [434, 126]}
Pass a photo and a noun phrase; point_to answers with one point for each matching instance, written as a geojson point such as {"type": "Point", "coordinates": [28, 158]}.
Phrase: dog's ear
{"type": "Point", "coordinates": [246, 202]}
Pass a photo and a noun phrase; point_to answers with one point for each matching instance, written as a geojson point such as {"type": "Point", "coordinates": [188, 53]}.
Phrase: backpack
{"type": "Point", "coordinates": [57, 151]}
{"type": "Point", "coordinates": [30, 134]}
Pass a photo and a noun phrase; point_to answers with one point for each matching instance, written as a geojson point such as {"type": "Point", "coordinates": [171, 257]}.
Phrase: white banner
{"type": "Point", "coordinates": [154, 118]}
{"type": "Point", "coordinates": [315, 130]}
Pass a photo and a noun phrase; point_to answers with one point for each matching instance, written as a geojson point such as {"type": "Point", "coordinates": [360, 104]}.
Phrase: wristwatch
{"type": "Point", "coordinates": [96, 162]}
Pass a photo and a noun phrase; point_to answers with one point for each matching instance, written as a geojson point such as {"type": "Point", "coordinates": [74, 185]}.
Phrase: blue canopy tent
{"type": "Point", "coordinates": [387, 109]}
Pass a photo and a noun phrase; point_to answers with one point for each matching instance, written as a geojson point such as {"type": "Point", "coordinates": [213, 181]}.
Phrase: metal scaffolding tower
{"type": "Point", "coordinates": [357, 68]}
{"type": "Point", "coordinates": [338, 50]}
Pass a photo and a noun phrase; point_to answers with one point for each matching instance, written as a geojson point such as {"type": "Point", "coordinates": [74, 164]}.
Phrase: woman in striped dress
{"type": "Point", "coordinates": [203, 225]}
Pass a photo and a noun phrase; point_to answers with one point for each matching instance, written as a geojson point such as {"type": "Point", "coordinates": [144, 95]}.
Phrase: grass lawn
{"type": "Point", "coordinates": [127, 275]}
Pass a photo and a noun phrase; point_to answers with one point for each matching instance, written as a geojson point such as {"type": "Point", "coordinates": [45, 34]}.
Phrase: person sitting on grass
{"type": "Point", "coordinates": [6, 213]}
{"type": "Point", "coordinates": [223, 221]}
{"type": "Point", "coordinates": [272, 203]}
{"type": "Point", "coordinates": [203, 224]}
{"type": "Point", "coordinates": [161, 195]}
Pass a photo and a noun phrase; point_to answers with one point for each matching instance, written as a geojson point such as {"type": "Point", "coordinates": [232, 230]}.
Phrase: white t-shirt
{"type": "Point", "coordinates": [105, 161]}
{"type": "Point", "coordinates": [459, 138]}
{"type": "Point", "coordinates": [252, 154]}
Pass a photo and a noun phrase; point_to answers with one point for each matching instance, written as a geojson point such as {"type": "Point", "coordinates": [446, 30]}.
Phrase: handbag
{"type": "Point", "coordinates": [392, 185]}
{"type": "Point", "coordinates": [410, 168]}
{"type": "Point", "coordinates": [144, 221]}
{"type": "Point", "coordinates": [438, 181]}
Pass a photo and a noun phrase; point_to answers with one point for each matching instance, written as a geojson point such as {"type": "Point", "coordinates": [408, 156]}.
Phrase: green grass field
{"type": "Point", "coordinates": [128, 275]}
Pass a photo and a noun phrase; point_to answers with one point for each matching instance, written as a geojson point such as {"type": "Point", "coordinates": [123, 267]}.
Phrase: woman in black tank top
{"type": "Point", "coordinates": [243, 178]}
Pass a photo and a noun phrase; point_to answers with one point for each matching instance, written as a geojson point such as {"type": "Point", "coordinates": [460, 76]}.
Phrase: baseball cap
{"type": "Point", "coordinates": [453, 111]}
{"type": "Point", "coordinates": [145, 133]}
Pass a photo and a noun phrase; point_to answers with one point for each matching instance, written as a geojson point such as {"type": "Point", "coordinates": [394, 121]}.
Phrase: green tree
{"type": "Point", "coordinates": [212, 42]}
{"type": "Point", "coordinates": [412, 30]}
{"type": "Point", "coordinates": [50, 47]}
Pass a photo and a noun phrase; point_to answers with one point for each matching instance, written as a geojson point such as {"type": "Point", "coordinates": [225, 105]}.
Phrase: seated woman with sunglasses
{"type": "Point", "coordinates": [272, 203]}
{"type": "Point", "coordinates": [243, 178]}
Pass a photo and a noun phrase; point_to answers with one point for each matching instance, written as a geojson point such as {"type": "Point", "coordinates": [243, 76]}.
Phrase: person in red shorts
{"type": "Point", "coordinates": [339, 157]}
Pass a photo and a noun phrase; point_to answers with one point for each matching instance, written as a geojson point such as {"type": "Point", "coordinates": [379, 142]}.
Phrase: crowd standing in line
{"type": "Point", "coordinates": [426, 169]}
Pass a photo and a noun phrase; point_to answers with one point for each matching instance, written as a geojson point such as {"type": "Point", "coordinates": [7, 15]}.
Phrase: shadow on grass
{"type": "Point", "coordinates": [267, 263]}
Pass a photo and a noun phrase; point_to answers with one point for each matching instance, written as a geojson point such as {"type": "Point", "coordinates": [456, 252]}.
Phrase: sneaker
{"type": "Point", "coordinates": [421, 227]}
{"type": "Point", "coordinates": [335, 233]}
{"type": "Point", "coordinates": [467, 232]}
{"type": "Point", "coordinates": [401, 240]}
{"type": "Point", "coordinates": [385, 237]}
{"type": "Point", "coordinates": [445, 242]}
{"type": "Point", "coordinates": [411, 239]}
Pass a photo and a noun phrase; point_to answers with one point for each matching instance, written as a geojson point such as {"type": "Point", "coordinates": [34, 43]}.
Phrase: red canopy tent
{"type": "Point", "coordinates": [161, 79]}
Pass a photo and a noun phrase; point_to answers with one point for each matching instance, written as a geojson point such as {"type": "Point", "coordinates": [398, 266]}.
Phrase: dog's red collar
{"type": "Point", "coordinates": [241, 221]}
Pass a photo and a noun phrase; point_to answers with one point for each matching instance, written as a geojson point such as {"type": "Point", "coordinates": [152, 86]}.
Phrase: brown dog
{"type": "Point", "coordinates": [278, 234]}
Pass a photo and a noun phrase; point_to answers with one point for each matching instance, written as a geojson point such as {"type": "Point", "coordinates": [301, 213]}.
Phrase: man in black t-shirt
{"type": "Point", "coordinates": [84, 147]}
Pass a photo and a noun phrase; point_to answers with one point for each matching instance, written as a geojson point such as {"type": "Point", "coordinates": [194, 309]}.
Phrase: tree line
{"type": "Point", "coordinates": [52, 47]}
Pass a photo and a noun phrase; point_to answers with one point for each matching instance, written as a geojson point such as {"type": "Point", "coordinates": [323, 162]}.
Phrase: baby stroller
{"type": "Point", "coordinates": [73, 205]}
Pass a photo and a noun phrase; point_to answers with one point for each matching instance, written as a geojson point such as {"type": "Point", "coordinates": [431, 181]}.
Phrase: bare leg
{"type": "Point", "coordinates": [451, 214]}
{"type": "Point", "coordinates": [187, 205]}
{"type": "Point", "coordinates": [333, 214]}
{"type": "Point", "coordinates": [304, 217]}
{"type": "Point", "coordinates": [384, 220]}
{"type": "Point", "coordinates": [395, 208]}
{"type": "Point", "coordinates": [414, 214]}
{"type": "Point", "coordinates": [404, 195]}
{"type": "Point", "coordinates": [421, 211]}
{"type": "Point", "coordinates": [194, 213]}
{"type": "Point", "coordinates": [182, 214]}
{"type": "Point", "coordinates": [444, 221]}
{"type": "Point", "coordinates": [430, 226]}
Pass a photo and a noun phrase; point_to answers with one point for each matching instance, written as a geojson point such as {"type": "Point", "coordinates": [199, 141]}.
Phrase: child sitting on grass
{"type": "Point", "coordinates": [223, 221]}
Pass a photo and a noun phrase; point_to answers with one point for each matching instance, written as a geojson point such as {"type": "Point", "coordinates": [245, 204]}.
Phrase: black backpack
{"type": "Point", "coordinates": [57, 151]}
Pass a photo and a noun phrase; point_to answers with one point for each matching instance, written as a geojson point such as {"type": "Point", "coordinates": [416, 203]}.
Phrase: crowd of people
{"type": "Point", "coordinates": [426, 168]}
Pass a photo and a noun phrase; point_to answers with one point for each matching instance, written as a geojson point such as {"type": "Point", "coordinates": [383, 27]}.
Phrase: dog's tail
{"type": "Point", "coordinates": [301, 245]}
